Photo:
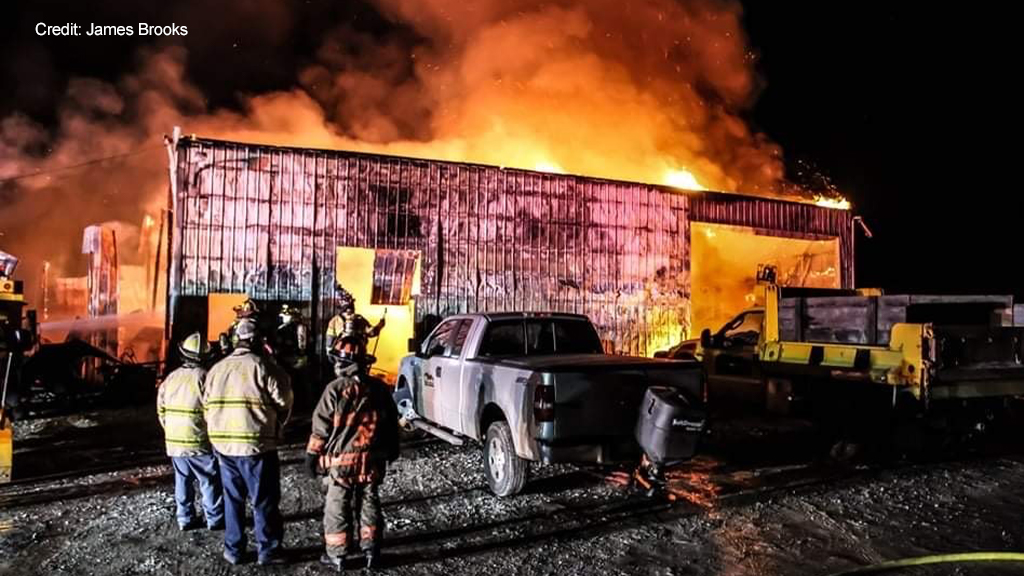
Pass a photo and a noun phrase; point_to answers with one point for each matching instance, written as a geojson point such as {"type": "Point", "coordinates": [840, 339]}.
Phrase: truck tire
{"type": "Point", "coordinates": [506, 472]}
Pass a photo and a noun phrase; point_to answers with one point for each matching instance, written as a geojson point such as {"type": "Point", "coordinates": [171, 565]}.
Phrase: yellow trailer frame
{"type": "Point", "coordinates": [10, 294]}
{"type": "Point", "coordinates": [905, 362]}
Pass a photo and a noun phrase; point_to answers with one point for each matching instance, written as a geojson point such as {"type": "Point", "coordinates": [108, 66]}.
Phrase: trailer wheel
{"type": "Point", "coordinates": [506, 471]}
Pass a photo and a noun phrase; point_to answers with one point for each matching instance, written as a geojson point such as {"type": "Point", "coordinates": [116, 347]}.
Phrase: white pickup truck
{"type": "Point", "coordinates": [532, 387]}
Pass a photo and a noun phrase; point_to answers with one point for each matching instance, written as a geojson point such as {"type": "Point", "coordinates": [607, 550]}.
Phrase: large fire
{"type": "Point", "coordinates": [651, 92]}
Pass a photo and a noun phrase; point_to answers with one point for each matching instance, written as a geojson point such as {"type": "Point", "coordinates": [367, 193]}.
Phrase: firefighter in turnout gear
{"type": "Point", "coordinates": [246, 310]}
{"type": "Point", "coordinates": [179, 407]}
{"type": "Point", "coordinates": [290, 340]}
{"type": "Point", "coordinates": [347, 325]}
{"type": "Point", "coordinates": [354, 436]}
{"type": "Point", "coordinates": [290, 352]}
{"type": "Point", "coordinates": [247, 401]}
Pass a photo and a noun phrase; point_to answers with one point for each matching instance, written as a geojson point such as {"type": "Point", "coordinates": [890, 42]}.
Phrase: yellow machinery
{"type": "Point", "coordinates": [966, 350]}
{"type": "Point", "coordinates": [12, 339]}
{"type": "Point", "coordinates": [905, 362]}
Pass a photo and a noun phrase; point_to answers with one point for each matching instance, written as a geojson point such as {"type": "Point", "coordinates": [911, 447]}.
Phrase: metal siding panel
{"type": "Point", "coordinates": [491, 238]}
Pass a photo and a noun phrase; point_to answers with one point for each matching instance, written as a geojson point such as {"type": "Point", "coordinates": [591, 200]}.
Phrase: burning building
{"type": "Point", "coordinates": [649, 264]}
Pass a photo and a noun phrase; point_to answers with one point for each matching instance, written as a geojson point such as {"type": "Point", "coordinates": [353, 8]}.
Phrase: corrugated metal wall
{"type": "Point", "coordinates": [266, 220]}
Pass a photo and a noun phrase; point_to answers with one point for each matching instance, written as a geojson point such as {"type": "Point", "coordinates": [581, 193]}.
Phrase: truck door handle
{"type": "Point", "coordinates": [438, 371]}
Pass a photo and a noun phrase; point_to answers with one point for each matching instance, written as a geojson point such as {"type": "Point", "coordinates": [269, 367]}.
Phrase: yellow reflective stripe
{"type": "Point", "coordinates": [183, 442]}
{"type": "Point", "coordinates": [234, 402]}
{"type": "Point", "coordinates": [179, 410]}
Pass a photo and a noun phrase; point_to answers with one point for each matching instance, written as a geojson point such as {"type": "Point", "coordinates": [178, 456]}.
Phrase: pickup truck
{"type": "Point", "coordinates": [532, 387]}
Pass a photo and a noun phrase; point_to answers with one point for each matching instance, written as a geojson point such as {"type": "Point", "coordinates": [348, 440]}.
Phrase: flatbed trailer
{"type": "Point", "coordinates": [839, 354]}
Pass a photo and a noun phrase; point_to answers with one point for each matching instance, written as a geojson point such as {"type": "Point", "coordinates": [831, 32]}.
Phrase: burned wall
{"type": "Point", "coordinates": [265, 221]}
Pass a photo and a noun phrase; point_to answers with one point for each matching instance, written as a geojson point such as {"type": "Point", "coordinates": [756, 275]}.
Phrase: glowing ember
{"type": "Point", "coordinates": [837, 202]}
{"type": "Point", "coordinates": [680, 178]}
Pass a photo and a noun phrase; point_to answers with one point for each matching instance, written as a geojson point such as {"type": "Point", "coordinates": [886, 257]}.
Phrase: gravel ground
{"type": "Point", "coordinates": [758, 516]}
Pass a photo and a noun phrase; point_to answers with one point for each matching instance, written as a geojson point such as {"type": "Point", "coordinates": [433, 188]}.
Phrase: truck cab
{"type": "Point", "coordinates": [730, 360]}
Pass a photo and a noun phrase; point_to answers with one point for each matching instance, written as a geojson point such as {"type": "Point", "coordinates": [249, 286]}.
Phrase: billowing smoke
{"type": "Point", "coordinates": [637, 90]}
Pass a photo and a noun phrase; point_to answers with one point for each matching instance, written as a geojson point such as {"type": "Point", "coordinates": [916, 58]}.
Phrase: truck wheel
{"type": "Point", "coordinates": [506, 472]}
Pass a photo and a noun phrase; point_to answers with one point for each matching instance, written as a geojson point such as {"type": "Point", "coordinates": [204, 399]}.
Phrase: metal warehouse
{"type": "Point", "coordinates": [650, 265]}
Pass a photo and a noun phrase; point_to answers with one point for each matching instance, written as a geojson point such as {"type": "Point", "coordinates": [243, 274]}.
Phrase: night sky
{"type": "Point", "coordinates": [912, 113]}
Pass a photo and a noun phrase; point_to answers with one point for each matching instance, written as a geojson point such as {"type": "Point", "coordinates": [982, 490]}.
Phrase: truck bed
{"type": "Point", "coordinates": [978, 340]}
{"type": "Point", "coordinates": [597, 399]}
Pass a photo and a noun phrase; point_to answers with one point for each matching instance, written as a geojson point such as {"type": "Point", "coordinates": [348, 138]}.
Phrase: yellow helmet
{"type": "Point", "coordinates": [246, 309]}
{"type": "Point", "coordinates": [194, 347]}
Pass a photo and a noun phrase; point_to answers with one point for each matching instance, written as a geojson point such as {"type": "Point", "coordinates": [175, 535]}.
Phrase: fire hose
{"type": "Point", "coordinates": [963, 557]}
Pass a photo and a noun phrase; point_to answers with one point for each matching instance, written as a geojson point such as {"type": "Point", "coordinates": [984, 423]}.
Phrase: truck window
{"type": "Point", "coordinates": [540, 338]}
{"type": "Point", "coordinates": [459, 340]}
{"type": "Point", "coordinates": [437, 343]}
{"type": "Point", "coordinates": [576, 337]}
{"type": "Point", "coordinates": [503, 338]}
{"type": "Point", "coordinates": [745, 328]}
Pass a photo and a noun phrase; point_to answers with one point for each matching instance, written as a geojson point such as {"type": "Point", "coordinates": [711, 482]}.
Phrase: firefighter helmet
{"type": "Point", "coordinates": [346, 302]}
{"type": "Point", "coordinates": [348, 352]}
{"type": "Point", "coordinates": [246, 309]}
{"type": "Point", "coordinates": [245, 330]}
{"type": "Point", "coordinates": [194, 347]}
{"type": "Point", "coordinates": [289, 313]}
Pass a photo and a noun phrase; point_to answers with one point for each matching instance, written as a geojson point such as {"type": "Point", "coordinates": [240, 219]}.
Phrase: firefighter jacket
{"type": "Point", "coordinates": [180, 409]}
{"type": "Point", "coordinates": [355, 428]}
{"type": "Point", "coordinates": [246, 402]}
{"type": "Point", "coordinates": [352, 326]}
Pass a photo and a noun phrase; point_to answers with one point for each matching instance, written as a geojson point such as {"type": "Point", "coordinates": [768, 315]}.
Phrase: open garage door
{"type": "Point", "coordinates": [724, 259]}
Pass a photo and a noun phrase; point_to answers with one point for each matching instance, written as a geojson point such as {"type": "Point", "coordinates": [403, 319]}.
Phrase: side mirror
{"type": "Point", "coordinates": [705, 338]}
{"type": "Point", "coordinates": [661, 354]}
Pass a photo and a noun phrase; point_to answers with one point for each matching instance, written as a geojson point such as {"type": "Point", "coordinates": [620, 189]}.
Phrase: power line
{"type": "Point", "coordinates": [79, 165]}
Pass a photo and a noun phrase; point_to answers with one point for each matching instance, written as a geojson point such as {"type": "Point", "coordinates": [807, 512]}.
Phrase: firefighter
{"type": "Point", "coordinates": [247, 401]}
{"type": "Point", "coordinates": [290, 339]}
{"type": "Point", "coordinates": [349, 325]}
{"type": "Point", "coordinates": [180, 409]}
{"type": "Point", "coordinates": [290, 351]}
{"type": "Point", "coordinates": [245, 310]}
{"type": "Point", "coordinates": [354, 436]}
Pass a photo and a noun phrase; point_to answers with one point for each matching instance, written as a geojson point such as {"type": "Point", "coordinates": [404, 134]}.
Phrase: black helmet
{"type": "Point", "coordinates": [346, 301]}
{"type": "Point", "coordinates": [349, 352]}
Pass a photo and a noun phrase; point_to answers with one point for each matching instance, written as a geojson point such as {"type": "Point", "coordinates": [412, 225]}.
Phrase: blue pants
{"type": "Point", "coordinates": [202, 469]}
{"type": "Point", "coordinates": [259, 479]}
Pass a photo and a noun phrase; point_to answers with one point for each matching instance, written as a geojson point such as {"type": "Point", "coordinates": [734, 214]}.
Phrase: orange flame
{"type": "Point", "coordinates": [837, 202]}
{"type": "Point", "coordinates": [681, 178]}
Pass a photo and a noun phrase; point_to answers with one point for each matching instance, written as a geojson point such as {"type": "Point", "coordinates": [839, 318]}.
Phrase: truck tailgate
{"type": "Point", "coordinates": [598, 396]}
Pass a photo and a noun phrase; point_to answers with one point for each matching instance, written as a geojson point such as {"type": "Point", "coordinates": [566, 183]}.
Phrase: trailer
{"type": "Point", "coordinates": [845, 357]}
